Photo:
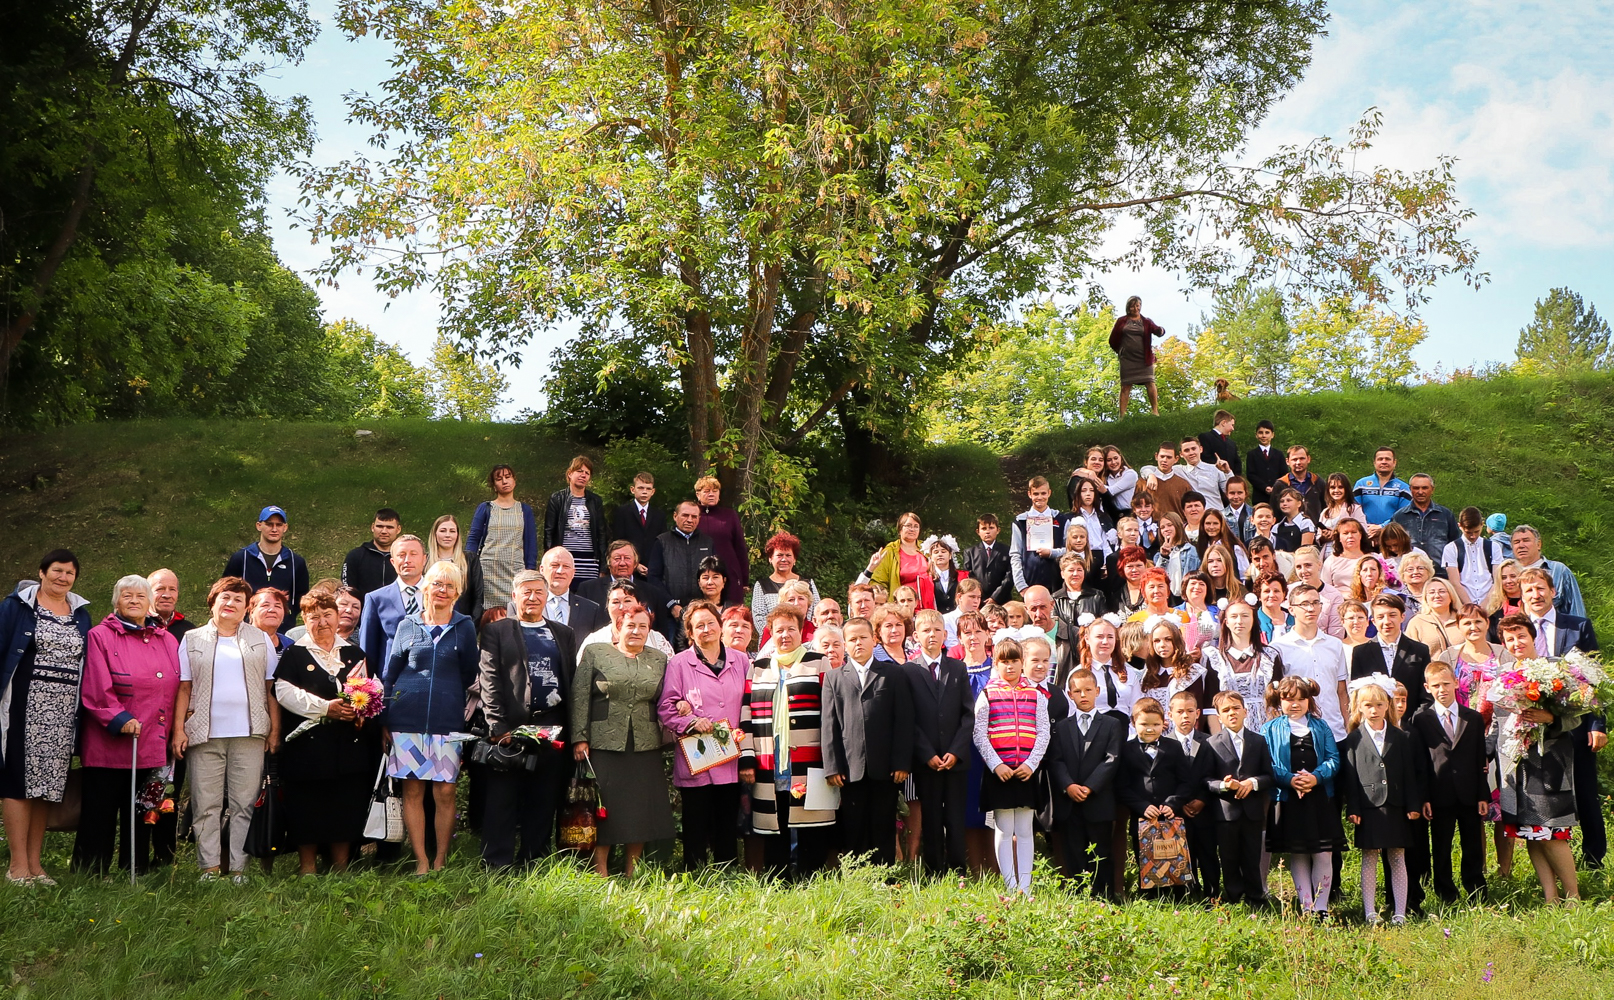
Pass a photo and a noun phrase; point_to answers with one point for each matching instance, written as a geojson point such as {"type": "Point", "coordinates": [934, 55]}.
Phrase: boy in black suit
{"type": "Point", "coordinates": [1392, 653]}
{"type": "Point", "coordinates": [1238, 773]}
{"type": "Point", "coordinates": [944, 728]}
{"type": "Point", "coordinates": [1201, 828]}
{"type": "Point", "coordinates": [988, 562]}
{"type": "Point", "coordinates": [1265, 464]}
{"type": "Point", "coordinates": [868, 744]}
{"type": "Point", "coordinates": [1083, 757]}
{"type": "Point", "coordinates": [637, 521]}
{"type": "Point", "coordinates": [1155, 779]}
{"type": "Point", "coordinates": [1459, 794]}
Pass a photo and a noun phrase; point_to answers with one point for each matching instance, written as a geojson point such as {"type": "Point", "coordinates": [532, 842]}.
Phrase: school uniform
{"type": "Point", "coordinates": [639, 525]}
{"type": "Point", "coordinates": [1085, 750]}
{"type": "Point", "coordinates": [1458, 785]}
{"type": "Point", "coordinates": [868, 735]}
{"type": "Point", "coordinates": [990, 565]}
{"type": "Point", "coordinates": [1154, 774]}
{"type": "Point", "coordinates": [1407, 666]}
{"type": "Point", "coordinates": [1201, 829]}
{"type": "Point", "coordinates": [944, 723]}
{"type": "Point", "coordinates": [1266, 466]}
{"type": "Point", "coordinates": [1240, 824]}
{"type": "Point", "coordinates": [1382, 785]}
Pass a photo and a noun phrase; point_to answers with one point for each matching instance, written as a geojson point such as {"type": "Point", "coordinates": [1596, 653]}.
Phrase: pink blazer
{"type": "Point", "coordinates": [129, 673]}
{"type": "Point", "coordinates": [720, 697]}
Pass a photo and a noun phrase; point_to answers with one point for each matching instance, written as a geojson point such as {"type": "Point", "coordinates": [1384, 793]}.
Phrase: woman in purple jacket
{"type": "Point", "coordinates": [722, 525]}
{"type": "Point", "coordinates": [705, 685]}
{"type": "Point", "coordinates": [131, 674]}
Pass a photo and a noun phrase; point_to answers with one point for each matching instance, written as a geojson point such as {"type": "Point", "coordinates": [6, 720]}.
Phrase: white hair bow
{"type": "Point", "coordinates": [1020, 634]}
{"type": "Point", "coordinates": [1384, 681]}
{"type": "Point", "coordinates": [1085, 619]}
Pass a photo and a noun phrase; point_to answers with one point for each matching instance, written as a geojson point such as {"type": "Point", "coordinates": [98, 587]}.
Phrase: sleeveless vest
{"type": "Point", "coordinates": [200, 647]}
{"type": "Point", "coordinates": [1011, 721]}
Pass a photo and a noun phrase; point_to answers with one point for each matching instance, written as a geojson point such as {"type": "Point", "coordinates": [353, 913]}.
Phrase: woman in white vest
{"type": "Point", "coordinates": [226, 699]}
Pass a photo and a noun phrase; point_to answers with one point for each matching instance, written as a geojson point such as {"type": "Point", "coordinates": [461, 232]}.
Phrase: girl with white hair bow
{"type": "Point", "coordinates": [938, 586]}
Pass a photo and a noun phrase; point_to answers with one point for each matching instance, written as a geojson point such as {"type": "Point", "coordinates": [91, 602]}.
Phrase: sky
{"type": "Point", "coordinates": [1522, 94]}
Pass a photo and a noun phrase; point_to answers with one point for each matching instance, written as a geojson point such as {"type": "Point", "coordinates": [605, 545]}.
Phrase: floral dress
{"type": "Point", "coordinates": [45, 705]}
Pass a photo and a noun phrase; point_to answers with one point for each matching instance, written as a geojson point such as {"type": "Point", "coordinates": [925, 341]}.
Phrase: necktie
{"type": "Point", "coordinates": [935, 671]}
{"type": "Point", "coordinates": [1451, 727]}
{"type": "Point", "coordinates": [641, 517]}
{"type": "Point", "coordinates": [1083, 721]}
{"type": "Point", "coordinates": [411, 600]}
{"type": "Point", "coordinates": [556, 610]}
{"type": "Point", "coordinates": [1542, 648]}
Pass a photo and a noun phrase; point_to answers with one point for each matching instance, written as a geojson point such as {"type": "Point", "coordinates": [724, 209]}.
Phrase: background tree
{"type": "Point", "coordinates": [462, 387]}
{"type": "Point", "coordinates": [380, 379]}
{"type": "Point", "coordinates": [1566, 336]}
{"type": "Point", "coordinates": [1245, 340]}
{"type": "Point", "coordinates": [812, 206]}
{"type": "Point", "coordinates": [135, 134]}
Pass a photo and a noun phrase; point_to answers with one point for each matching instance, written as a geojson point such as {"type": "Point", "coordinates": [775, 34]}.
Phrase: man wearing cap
{"type": "Point", "coordinates": [268, 562]}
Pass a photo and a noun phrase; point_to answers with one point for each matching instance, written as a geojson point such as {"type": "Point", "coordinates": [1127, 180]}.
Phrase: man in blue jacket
{"type": "Point", "coordinates": [1430, 525]}
{"type": "Point", "coordinates": [269, 562]}
{"type": "Point", "coordinates": [1381, 494]}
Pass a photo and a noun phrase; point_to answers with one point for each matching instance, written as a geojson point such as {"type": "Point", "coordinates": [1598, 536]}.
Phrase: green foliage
{"type": "Point", "coordinates": [1247, 340]}
{"type": "Point", "coordinates": [463, 387]}
{"type": "Point", "coordinates": [381, 380]}
{"type": "Point", "coordinates": [1566, 337]}
{"type": "Point", "coordinates": [608, 389]}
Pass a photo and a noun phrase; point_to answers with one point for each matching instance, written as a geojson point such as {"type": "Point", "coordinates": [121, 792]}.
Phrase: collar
{"type": "Point", "coordinates": [643, 508]}
{"type": "Point", "coordinates": [681, 531]}
{"type": "Point", "coordinates": [1549, 618]}
{"type": "Point", "coordinates": [400, 584]}
{"type": "Point", "coordinates": [860, 667]}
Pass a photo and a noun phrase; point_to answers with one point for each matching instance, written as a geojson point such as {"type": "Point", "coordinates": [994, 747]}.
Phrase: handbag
{"type": "Point", "coordinates": [385, 821]}
{"type": "Point", "coordinates": [520, 754]}
{"type": "Point", "coordinates": [579, 820]}
{"type": "Point", "coordinates": [1163, 858]}
{"type": "Point", "coordinates": [266, 833]}
{"type": "Point", "coordinates": [64, 815]}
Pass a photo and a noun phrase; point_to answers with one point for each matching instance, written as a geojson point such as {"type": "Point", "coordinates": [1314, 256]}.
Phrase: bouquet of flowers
{"type": "Point", "coordinates": [364, 694]}
{"type": "Point", "coordinates": [1569, 688]}
{"type": "Point", "coordinates": [157, 795]}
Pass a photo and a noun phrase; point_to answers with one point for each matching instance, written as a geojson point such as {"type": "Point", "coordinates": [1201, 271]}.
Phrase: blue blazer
{"type": "Point", "coordinates": [428, 683]}
{"type": "Point", "coordinates": [383, 610]}
{"type": "Point", "coordinates": [1575, 632]}
{"type": "Point", "coordinates": [529, 533]}
{"type": "Point", "coordinates": [1277, 737]}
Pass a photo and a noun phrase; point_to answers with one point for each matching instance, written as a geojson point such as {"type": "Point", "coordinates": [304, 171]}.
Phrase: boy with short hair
{"type": "Point", "coordinates": [967, 599]}
{"type": "Point", "coordinates": [1143, 513]}
{"type": "Point", "coordinates": [637, 521]}
{"type": "Point", "coordinates": [1165, 481]}
{"type": "Point", "coordinates": [1083, 759]}
{"type": "Point", "coordinates": [1184, 709]}
{"type": "Point", "coordinates": [1037, 541]}
{"type": "Point", "coordinates": [1155, 779]}
{"type": "Point", "coordinates": [1470, 561]}
{"type": "Point", "coordinates": [1265, 464]}
{"type": "Point", "coordinates": [1459, 791]}
{"type": "Point", "coordinates": [1237, 772]}
{"type": "Point", "coordinates": [1238, 508]}
{"type": "Point", "coordinates": [988, 562]}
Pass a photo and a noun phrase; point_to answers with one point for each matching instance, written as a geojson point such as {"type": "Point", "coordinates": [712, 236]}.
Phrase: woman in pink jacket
{"type": "Point", "coordinates": [705, 685]}
{"type": "Point", "coordinates": [131, 674]}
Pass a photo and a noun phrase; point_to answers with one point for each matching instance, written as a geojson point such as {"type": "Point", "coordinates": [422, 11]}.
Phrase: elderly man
{"type": "Point", "coordinates": [674, 558]}
{"type": "Point", "coordinates": [621, 565]}
{"type": "Point", "coordinates": [562, 604]}
{"type": "Point", "coordinates": [165, 603]}
{"type": "Point", "coordinates": [828, 612]}
{"type": "Point", "coordinates": [1566, 589]}
{"type": "Point", "coordinates": [526, 670]}
{"type": "Point", "coordinates": [1431, 525]}
{"type": "Point", "coordinates": [1040, 609]}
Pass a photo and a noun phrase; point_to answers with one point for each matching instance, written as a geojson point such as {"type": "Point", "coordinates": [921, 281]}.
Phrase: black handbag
{"type": "Point", "coordinates": [520, 754]}
{"type": "Point", "coordinates": [266, 834]}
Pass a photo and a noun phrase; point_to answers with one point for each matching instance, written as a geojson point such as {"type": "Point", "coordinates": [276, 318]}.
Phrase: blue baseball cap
{"type": "Point", "coordinates": [1497, 522]}
{"type": "Point", "coordinates": [271, 511]}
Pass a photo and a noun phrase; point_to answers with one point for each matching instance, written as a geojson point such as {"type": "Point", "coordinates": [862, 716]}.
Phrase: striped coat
{"type": "Point", "coordinates": [804, 683]}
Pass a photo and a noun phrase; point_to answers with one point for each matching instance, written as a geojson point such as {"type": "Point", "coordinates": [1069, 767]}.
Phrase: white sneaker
{"type": "Point", "coordinates": [239, 878]}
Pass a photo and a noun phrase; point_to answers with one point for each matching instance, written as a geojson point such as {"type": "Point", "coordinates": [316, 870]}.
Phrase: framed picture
{"type": "Point", "coordinates": [702, 751]}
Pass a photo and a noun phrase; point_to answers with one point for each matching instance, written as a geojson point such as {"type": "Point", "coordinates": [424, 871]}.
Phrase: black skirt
{"type": "Point", "coordinates": [1309, 824]}
{"type": "Point", "coordinates": [1011, 794]}
{"type": "Point", "coordinates": [326, 810]}
{"type": "Point", "coordinates": [1383, 827]}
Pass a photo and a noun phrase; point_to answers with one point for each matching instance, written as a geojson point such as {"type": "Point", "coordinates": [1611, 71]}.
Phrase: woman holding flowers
{"type": "Point", "coordinates": [328, 761]}
{"type": "Point", "coordinates": [1536, 758]}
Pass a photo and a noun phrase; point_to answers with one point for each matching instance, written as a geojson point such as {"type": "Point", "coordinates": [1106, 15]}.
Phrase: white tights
{"type": "Point", "coordinates": [1398, 881]}
{"type": "Point", "coordinates": [1314, 878]}
{"type": "Point", "coordinates": [1011, 825]}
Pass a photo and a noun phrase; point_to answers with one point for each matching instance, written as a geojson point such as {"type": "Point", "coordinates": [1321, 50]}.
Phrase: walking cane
{"type": "Point", "coordinates": [134, 782]}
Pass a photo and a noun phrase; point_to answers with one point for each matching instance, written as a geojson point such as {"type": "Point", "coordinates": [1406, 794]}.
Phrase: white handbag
{"type": "Point", "coordinates": [385, 821]}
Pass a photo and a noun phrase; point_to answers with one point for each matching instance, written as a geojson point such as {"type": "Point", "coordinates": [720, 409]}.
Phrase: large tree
{"type": "Point", "coordinates": [1566, 336]}
{"type": "Point", "coordinates": [810, 204]}
{"type": "Point", "coordinates": [135, 133]}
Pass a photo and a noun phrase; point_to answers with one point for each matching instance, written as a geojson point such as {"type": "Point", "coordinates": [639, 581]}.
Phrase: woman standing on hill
{"type": "Point", "coordinates": [1132, 340]}
{"type": "Point", "coordinates": [45, 628]}
{"type": "Point", "coordinates": [504, 534]}
{"type": "Point", "coordinates": [722, 525]}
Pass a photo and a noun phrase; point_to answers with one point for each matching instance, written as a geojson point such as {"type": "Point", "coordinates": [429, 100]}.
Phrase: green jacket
{"type": "Point", "coordinates": [613, 699]}
{"type": "Point", "coordinates": [888, 570]}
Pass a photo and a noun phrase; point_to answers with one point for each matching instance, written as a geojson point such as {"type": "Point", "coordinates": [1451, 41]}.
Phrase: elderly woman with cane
{"type": "Point", "coordinates": [131, 675]}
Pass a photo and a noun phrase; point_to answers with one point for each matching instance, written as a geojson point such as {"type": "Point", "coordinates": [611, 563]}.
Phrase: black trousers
{"type": "Point", "coordinates": [521, 803]}
{"type": "Point", "coordinates": [942, 803]}
{"type": "Point", "coordinates": [1469, 826]}
{"type": "Point", "coordinates": [1203, 849]}
{"type": "Point", "coordinates": [1238, 846]}
{"type": "Point", "coordinates": [1589, 803]}
{"type": "Point", "coordinates": [104, 822]}
{"type": "Point", "coordinates": [1090, 854]}
{"type": "Point", "coordinates": [809, 844]}
{"type": "Point", "coordinates": [867, 820]}
{"type": "Point", "coordinates": [710, 812]}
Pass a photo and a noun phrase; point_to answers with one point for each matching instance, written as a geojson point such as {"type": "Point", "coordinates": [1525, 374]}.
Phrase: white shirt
{"type": "Point", "coordinates": [1323, 660]}
{"type": "Point", "coordinates": [1448, 718]}
{"type": "Point", "coordinates": [1547, 631]}
{"type": "Point", "coordinates": [557, 609]}
{"type": "Point", "coordinates": [1475, 578]}
{"type": "Point", "coordinates": [1388, 649]}
{"type": "Point", "coordinates": [229, 712]}
{"type": "Point", "coordinates": [1377, 736]}
{"type": "Point", "coordinates": [1207, 479]}
{"type": "Point", "coordinates": [1236, 737]}
{"type": "Point", "coordinates": [862, 671]}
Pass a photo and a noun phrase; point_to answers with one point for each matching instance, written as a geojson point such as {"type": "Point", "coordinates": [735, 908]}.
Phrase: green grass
{"type": "Point", "coordinates": [561, 933]}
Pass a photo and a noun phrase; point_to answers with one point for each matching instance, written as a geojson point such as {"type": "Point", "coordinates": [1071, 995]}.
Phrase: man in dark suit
{"type": "Point", "coordinates": [1217, 443]}
{"type": "Point", "coordinates": [1083, 756]}
{"type": "Point", "coordinates": [1556, 634]}
{"type": "Point", "coordinates": [1459, 794]}
{"type": "Point", "coordinates": [988, 562]}
{"type": "Point", "coordinates": [565, 605]}
{"type": "Point", "coordinates": [868, 743]}
{"type": "Point", "coordinates": [622, 566]}
{"type": "Point", "coordinates": [1392, 653]}
{"type": "Point", "coordinates": [1265, 464]}
{"type": "Point", "coordinates": [525, 678]}
{"type": "Point", "coordinates": [636, 521]}
{"type": "Point", "coordinates": [1237, 774]}
{"type": "Point", "coordinates": [944, 728]}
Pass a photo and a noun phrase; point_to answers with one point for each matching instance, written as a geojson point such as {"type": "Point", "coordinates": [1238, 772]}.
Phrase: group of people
{"type": "Point", "coordinates": [1214, 657]}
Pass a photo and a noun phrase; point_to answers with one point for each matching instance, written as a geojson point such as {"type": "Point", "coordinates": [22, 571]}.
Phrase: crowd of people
{"type": "Point", "coordinates": [1201, 662]}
